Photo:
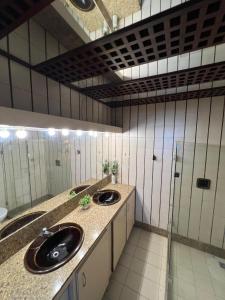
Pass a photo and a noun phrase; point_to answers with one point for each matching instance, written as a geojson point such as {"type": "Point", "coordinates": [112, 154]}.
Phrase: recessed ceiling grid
{"type": "Point", "coordinates": [187, 27]}
{"type": "Point", "coordinates": [220, 91]}
{"type": "Point", "coordinates": [207, 73]}
{"type": "Point", "coordinates": [14, 12]}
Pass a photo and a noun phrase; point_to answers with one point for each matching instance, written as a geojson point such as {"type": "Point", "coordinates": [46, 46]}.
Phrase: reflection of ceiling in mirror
{"type": "Point", "coordinates": [93, 20]}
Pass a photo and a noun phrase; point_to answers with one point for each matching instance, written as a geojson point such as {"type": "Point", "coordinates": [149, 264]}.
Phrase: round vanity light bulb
{"type": "Point", "coordinates": [79, 132]}
{"type": "Point", "coordinates": [106, 134]}
{"type": "Point", "coordinates": [4, 134]}
{"type": "Point", "coordinates": [51, 131]}
{"type": "Point", "coordinates": [21, 134]}
{"type": "Point", "coordinates": [65, 132]}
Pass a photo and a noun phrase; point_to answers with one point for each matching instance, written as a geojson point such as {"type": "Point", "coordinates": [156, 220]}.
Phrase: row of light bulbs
{"type": "Point", "coordinates": [22, 134]}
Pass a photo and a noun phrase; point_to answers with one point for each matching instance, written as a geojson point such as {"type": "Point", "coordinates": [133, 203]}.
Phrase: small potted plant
{"type": "Point", "coordinates": [114, 170]}
{"type": "Point", "coordinates": [105, 168]}
{"type": "Point", "coordinates": [85, 202]}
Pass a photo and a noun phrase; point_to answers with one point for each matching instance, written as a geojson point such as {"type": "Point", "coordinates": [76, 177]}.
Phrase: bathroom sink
{"type": "Point", "coordinates": [53, 248]}
{"type": "Point", "coordinates": [106, 197]}
{"type": "Point", "coordinates": [19, 222]}
{"type": "Point", "coordinates": [79, 189]}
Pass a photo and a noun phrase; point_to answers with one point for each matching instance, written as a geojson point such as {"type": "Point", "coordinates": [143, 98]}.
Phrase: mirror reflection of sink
{"type": "Point", "coordinates": [52, 250]}
{"type": "Point", "coordinates": [106, 197]}
{"type": "Point", "coordinates": [79, 188]}
{"type": "Point", "coordinates": [19, 222]}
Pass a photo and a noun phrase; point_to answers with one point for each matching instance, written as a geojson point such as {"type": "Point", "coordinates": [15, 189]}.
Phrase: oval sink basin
{"type": "Point", "coordinates": [106, 197]}
{"type": "Point", "coordinates": [47, 254]}
{"type": "Point", "coordinates": [79, 189]}
{"type": "Point", "coordinates": [19, 222]}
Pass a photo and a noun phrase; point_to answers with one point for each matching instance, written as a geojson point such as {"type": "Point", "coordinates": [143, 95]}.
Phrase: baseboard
{"type": "Point", "coordinates": [184, 240]}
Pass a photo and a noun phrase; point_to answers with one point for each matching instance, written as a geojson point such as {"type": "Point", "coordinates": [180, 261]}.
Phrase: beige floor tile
{"type": "Point", "coordinates": [149, 257]}
{"type": "Point", "coordinates": [125, 260]}
{"type": "Point", "coordinates": [113, 290]}
{"type": "Point", "coordinates": [129, 249]}
{"type": "Point", "coordinates": [120, 274]}
{"type": "Point", "coordinates": [128, 294]}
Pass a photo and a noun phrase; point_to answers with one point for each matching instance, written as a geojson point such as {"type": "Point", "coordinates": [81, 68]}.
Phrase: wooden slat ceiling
{"type": "Point", "coordinates": [192, 25]}
{"type": "Point", "coordinates": [206, 73]}
{"type": "Point", "coordinates": [219, 91]}
{"type": "Point", "coordinates": [15, 12]}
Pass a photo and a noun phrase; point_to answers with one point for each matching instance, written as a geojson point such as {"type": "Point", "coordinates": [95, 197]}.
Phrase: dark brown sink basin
{"type": "Point", "coordinates": [106, 197]}
{"type": "Point", "coordinates": [47, 254]}
{"type": "Point", "coordinates": [79, 189]}
{"type": "Point", "coordinates": [19, 222]}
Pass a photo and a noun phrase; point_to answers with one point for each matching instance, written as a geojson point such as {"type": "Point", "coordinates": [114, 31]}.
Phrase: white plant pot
{"type": "Point", "coordinates": [114, 179]}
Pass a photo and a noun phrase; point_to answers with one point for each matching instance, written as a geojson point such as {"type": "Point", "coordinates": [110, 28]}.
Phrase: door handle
{"type": "Point", "coordinates": [84, 281]}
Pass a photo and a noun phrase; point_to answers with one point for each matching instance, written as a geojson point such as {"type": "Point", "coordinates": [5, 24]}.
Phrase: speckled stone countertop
{"type": "Point", "coordinates": [17, 283]}
{"type": "Point", "coordinates": [48, 204]}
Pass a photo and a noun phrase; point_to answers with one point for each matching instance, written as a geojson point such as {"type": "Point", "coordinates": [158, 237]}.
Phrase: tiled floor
{"type": "Point", "coordinates": [141, 271]}
{"type": "Point", "coordinates": [196, 275]}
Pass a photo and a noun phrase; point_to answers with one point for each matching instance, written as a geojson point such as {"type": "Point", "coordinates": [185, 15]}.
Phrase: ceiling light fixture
{"type": "Point", "coordinates": [51, 131]}
{"type": "Point", "coordinates": [65, 132]}
{"type": "Point", "coordinates": [84, 5]}
{"type": "Point", "coordinates": [79, 132]}
{"type": "Point", "coordinates": [21, 134]}
{"type": "Point", "coordinates": [4, 134]}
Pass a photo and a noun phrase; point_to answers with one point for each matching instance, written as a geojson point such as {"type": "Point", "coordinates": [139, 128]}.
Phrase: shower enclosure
{"type": "Point", "coordinates": [196, 264]}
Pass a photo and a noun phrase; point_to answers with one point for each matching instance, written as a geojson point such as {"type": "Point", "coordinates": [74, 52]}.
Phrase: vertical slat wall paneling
{"type": "Point", "coordinates": [75, 103]}
{"type": "Point", "coordinates": [88, 156]}
{"type": "Point", "coordinates": [179, 133]}
{"type": "Point", "coordinates": [149, 151]}
{"type": "Point", "coordinates": [199, 166]}
{"type": "Point", "coordinates": [105, 147]}
{"type": "Point", "coordinates": [133, 145]}
{"type": "Point", "coordinates": [82, 157]}
{"type": "Point", "coordinates": [78, 159]}
{"type": "Point", "coordinates": [167, 163]}
{"type": "Point", "coordinates": [141, 130]}
{"type": "Point", "coordinates": [99, 155]}
{"type": "Point", "coordinates": [5, 99]}
{"type": "Point", "coordinates": [211, 170]}
{"type": "Point", "coordinates": [218, 226]}
{"type": "Point", "coordinates": [3, 194]}
{"type": "Point", "coordinates": [11, 160]}
{"type": "Point", "coordinates": [65, 101]}
{"type": "Point", "coordinates": [158, 152]}
{"type": "Point", "coordinates": [73, 161]}
{"type": "Point", "coordinates": [187, 168]}
{"type": "Point", "coordinates": [125, 144]}
{"type": "Point", "coordinates": [93, 157]}
{"type": "Point", "coordinates": [119, 155]}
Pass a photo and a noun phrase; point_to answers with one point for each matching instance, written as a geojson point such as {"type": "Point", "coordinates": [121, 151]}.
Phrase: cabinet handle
{"type": "Point", "coordinates": [84, 279]}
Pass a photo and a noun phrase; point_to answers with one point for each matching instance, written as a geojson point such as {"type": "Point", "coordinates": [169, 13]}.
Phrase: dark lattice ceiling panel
{"type": "Point", "coordinates": [220, 91]}
{"type": "Point", "coordinates": [15, 12]}
{"type": "Point", "coordinates": [190, 26]}
{"type": "Point", "coordinates": [206, 73]}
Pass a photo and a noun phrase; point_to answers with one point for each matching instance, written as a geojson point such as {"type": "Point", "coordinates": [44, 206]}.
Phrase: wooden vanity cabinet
{"type": "Point", "coordinates": [122, 226]}
{"type": "Point", "coordinates": [93, 275]}
{"type": "Point", "coordinates": [130, 213]}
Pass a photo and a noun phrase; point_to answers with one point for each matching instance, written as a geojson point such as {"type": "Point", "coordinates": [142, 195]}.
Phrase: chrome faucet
{"type": "Point", "coordinates": [45, 232]}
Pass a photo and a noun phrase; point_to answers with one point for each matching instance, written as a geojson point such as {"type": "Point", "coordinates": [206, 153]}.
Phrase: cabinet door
{"type": "Point", "coordinates": [119, 234]}
{"type": "Point", "coordinates": [93, 276]}
{"type": "Point", "coordinates": [130, 213]}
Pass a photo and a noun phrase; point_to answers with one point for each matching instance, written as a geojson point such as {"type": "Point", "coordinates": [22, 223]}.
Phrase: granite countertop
{"type": "Point", "coordinates": [47, 205]}
{"type": "Point", "coordinates": [18, 283]}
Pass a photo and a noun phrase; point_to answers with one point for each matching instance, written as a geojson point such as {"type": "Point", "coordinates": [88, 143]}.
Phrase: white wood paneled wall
{"type": "Point", "coordinates": [196, 128]}
{"type": "Point", "coordinates": [25, 89]}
